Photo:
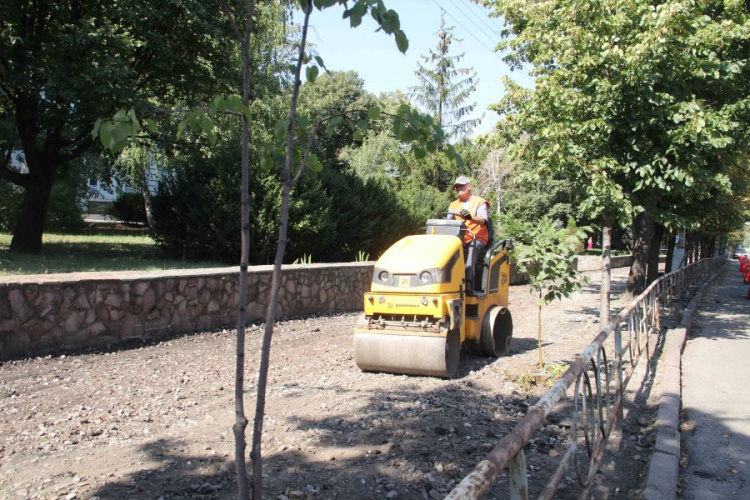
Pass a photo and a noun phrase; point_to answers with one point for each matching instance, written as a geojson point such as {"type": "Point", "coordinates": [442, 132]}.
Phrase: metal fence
{"type": "Point", "coordinates": [599, 376]}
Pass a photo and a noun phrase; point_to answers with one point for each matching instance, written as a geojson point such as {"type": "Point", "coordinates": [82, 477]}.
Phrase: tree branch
{"type": "Point", "coordinates": [295, 96]}
{"type": "Point", "coordinates": [83, 142]}
{"type": "Point", "coordinates": [14, 176]}
{"type": "Point", "coordinates": [242, 40]}
{"type": "Point", "coordinates": [308, 151]}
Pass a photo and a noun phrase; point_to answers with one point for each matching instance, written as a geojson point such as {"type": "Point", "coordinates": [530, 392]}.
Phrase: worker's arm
{"type": "Point", "coordinates": [481, 216]}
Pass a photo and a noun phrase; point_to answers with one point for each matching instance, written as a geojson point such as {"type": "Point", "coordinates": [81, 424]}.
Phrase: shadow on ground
{"type": "Point", "coordinates": [403, 443]}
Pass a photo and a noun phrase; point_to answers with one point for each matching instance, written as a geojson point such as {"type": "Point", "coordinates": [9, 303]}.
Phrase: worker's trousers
{"type": "Point", "coordinates": [473, 249]}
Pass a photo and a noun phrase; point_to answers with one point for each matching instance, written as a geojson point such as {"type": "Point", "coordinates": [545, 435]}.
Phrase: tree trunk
{"type": "Point", "coordinates": [539, 331]}
{"type": "Point", "coordinates": [654, 248]}
{"type": "Point", "coordinates": [642, 228]}
{"type": "Point", "coordinates": [670, 252]}
{"type": "Point", "coordinates": [27, 236]}
{"type": "Point", "coordinates": [240, 420]}
{"type": "Point", "coordinates": [604, 293]}
{"type": "Point", "coordinates": [265, 354]}
{"type": "Point", "coordinates": [145, 191]}
{"type": "Point", "coordinates": [711, 248]}
{"type": "Point", "coordinates": [689, 244]}
{"type": "Point", "coordinates": [260, 406]}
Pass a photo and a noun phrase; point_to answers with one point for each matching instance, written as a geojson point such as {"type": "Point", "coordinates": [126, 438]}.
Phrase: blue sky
{"type": "Point", "coordinates": [374, 56]}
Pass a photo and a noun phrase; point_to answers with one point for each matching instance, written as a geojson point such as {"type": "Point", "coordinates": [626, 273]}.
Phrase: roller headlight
{"type": "Point", "coordinates": [425, 277]}
{"type": "Point", "coordinates": [384, 276]}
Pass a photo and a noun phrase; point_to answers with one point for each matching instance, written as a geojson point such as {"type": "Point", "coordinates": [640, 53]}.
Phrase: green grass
{"type": "Point", "coordinates": [96, 249]}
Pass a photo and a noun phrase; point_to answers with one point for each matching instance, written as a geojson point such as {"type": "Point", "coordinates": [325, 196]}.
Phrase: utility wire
{"type": "Point", "coordinates": [467, 30]}
{"type": "Point", "coordinates": [483, 17]}
{"type": "Point", "coordinates": [490, 36]}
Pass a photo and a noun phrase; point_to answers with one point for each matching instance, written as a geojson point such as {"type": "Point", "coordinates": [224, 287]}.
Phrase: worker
{"type": "Point", "coordinates": [474, 210]}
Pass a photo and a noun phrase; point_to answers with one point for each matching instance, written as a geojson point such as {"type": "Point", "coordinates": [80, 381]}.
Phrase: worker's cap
{"type": "Point", "coordinates": [461, 180]}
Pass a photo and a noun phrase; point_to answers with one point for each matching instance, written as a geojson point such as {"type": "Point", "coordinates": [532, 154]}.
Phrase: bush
{"type": "Point", "coordinates": [64, 212]}
{"type": "Point", "coordinates": [366, 215]}
{"type": "Point", "coordinates": [197, 210]}
{"type": "Point", "coordinates": [129, 208]}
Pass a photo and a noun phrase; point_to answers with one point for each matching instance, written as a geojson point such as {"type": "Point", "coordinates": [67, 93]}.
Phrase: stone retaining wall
{"type": "Point", "coordinates": [48, 313]}
{"type": "Point", "coordinates": [594, 262]}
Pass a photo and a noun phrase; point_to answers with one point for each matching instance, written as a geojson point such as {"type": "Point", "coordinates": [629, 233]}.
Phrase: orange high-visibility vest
{"type": "Point", "coordinates": [481, 232]}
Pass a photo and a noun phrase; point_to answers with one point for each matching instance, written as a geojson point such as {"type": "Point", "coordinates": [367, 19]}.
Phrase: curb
{"type": "Point", "coordinates": [663, 472]}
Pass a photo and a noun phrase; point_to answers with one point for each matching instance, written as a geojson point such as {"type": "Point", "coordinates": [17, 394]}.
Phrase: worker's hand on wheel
{"type": "Point", "coordinates": [465, 214]}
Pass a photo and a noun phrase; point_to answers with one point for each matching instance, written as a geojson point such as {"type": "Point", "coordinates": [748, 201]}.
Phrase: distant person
{"type": "Point", "coordinates": [591, 242]}
{"type": "Point", "coordinates": [474, 210]}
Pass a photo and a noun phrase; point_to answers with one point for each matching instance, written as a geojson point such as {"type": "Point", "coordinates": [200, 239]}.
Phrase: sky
{"type": "Point", "coordinates": [374, 56]}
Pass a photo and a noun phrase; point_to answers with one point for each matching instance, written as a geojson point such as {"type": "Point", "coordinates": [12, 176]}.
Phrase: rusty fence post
{"type": "Point", "coordinates": [519, 480]}
{"type": "Point", "coordinates": [618, 372]}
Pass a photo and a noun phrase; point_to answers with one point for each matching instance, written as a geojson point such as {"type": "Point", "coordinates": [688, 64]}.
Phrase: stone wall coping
{"type": "Point", "coordinates": [23, 279]}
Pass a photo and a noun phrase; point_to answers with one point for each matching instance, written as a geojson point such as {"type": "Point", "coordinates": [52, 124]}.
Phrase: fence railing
{"type": "Point", "coordinates": [599, 375]}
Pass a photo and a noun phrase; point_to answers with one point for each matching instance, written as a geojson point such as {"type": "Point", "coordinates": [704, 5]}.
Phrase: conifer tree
{"type": "Point", "coordinates": [445, 89]}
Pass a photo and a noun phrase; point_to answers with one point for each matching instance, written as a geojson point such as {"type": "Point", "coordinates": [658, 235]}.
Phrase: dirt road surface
{"type": "Point", "coordinates": [154, 420]}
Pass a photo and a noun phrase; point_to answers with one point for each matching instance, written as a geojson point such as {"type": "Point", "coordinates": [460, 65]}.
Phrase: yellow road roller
{"type": "Point", "coordinates": [419, 314]}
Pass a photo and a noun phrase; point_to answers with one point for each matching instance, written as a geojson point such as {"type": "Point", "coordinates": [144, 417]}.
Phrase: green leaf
{"type": "Point", "coordinates": [322, 4]}
{"type": "Point", "coordinates": [402, 42]}
{"type": "Point", "coordinates": [330, 129]}
{"type": "Point", "coordinates": [120, 116]}
{"type": "Point", "coordinates": [181, 129]}
{"type": "Point", "coordinates": [408, 134]}
{"type": "Point", "coordinates": [266, 163]}
{"type": "Point", "coordinates": [459, 160]}
{"type": "Point", "coordinates": [234, 103]}
{"type": "Point", "coordinates": [193, 121]}
{"type": "Point", "coordinates": [314, 163]}
{"type": "Point", "coordinates": [280, 130]}
{"type": "Point", "coordinates": [312, 73]}
{"type": "Point", "coordinates": [419, 153]}
{"type": "Point", "coordinates": [120, 132]}
{"type": "Point", "coordinates": [358, 136]}
{"type": "Point", "coordinates": [206, 123]}
{"type": "Point", "coordinates": [355, 14]}
{"type": "Point", "coordinates": [211, 136]}
{"type": "Point", "coordinates": [95, 130]}
{"type": "Point", "coordinates": [700, 124]}
{"type": "Point", "coordinates": [150, 125]}
{"type": "Point", "coordinates": [105, 135]}
{"type": "Point", "coordinates": [389, 21]}
{"type": "Point", "coordinates": [220, 104]}
{"type": "Point", "coordinates": [373, 112]}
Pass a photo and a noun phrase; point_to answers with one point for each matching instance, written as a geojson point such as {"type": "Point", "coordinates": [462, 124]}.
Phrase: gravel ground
{"type": "Point", "coordinates": [154, 420]}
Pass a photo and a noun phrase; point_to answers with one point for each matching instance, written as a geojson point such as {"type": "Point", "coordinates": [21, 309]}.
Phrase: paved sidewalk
{"type": "Point", "coordinates": [716, 394]}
